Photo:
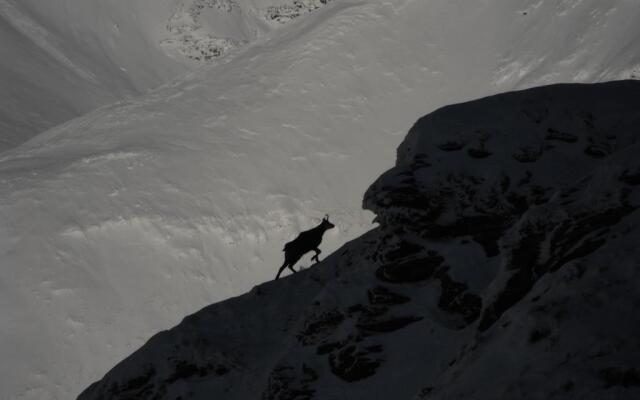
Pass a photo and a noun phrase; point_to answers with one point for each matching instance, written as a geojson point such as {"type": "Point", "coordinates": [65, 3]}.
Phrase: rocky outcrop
{"type": "Point", "coordinates": [190, 38]}
{"type": "Point", "coordinates": [291, 10]}
{"type": "Point", "coordinates": [553, 178]}
{"type": "Point", "coordinates": [203, 30]}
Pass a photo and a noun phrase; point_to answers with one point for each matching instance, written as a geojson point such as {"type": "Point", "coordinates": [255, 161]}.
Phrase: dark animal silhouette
{"type": "Point", "coordinates": [305, 242]}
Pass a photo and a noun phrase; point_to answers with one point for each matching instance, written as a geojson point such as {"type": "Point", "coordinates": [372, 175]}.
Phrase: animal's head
{"type": "Point", "coordinates": [326, 224]}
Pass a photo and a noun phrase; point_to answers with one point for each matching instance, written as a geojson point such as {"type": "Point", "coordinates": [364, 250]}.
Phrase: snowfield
{"type": "Point", "coordinates": [116, 224]}
{"type": "Point", "coordinates": [60, 59]}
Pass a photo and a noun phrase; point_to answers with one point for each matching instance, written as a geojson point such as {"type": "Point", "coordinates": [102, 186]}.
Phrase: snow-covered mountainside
{"type": "Point", "coordinates": [505, 266]}
{"type": "Point", "coordinates": [116, 224]}
{"type": "Point", "coordinates": [62, 58]}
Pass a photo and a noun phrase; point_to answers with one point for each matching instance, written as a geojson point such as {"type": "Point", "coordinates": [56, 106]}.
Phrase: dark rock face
{"type": "Point", "coordinates": [288, 383]}
{"type": "Point", "coordinates": [566, 137]}
{"type": "Point", "coordinates": [456, 299]}
{"type": "Point", "coordinates": [386, 325]}
{"type": "Point", "coordinates": [630, 177]}
{"type": "Point", "coordinates": [507, 247]}
{"type": "Point", "coordinates": [380, 295]}
{"type": "Point", "coordinates": [185, 370]}
{"type": "Point", "coordinates": [453, 197]}
{"type": "Point", "coordinates": [354, 363]}
{"type": "Point", "coordinates": [543, 132]}
{"type": "Point", "coordinates": [138, 387]}
{"type": "Point", "coordinates": [412, 270]}
{"type": "Point", "coordinates": [615, 376]}
{"type": "Point", "coordinates": [319, 326]}
{"type": "Point", "coordinates": [567, 241]}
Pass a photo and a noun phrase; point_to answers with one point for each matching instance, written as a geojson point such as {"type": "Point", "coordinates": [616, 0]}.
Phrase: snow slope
{"type": "Point", "coordinates": [62, 58]}
{"type": "Point", "coordinates": [507, 273]}
{"type": "Point", "coordinates": [116, 224]}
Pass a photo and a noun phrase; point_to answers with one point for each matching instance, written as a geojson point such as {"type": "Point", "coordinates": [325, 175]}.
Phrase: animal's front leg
{"type": "Point", "coordinates": [316, 256]}
{"type": "Point", "coordinates": [282, 269]}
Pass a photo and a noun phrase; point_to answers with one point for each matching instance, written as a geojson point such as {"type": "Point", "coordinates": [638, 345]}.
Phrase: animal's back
{"type": "Point", "coordinates": [292, 244]}
{"type": "Point", "coordinates": [306, 240]}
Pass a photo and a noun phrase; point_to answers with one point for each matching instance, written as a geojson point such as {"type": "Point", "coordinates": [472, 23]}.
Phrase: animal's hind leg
{"type": "Point", "coordinates": [291, 268]}
{"type": "Point", "coordinates": [282, 269]}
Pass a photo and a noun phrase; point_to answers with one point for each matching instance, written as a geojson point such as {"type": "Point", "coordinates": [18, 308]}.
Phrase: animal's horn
{"type": "Point", "coordinates": [326, 217]}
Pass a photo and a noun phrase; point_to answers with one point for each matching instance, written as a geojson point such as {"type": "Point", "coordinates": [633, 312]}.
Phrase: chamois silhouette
{"type": "Point", "coordinates": [304, 243]}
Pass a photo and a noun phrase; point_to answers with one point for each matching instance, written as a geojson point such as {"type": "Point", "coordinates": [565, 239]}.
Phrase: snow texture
{"type": "Point", "coordinates": [494, 276]}
{"type": "Point", "coordinates": [116, 224]}
{"type": "Point", "coordinates": [63, 58]}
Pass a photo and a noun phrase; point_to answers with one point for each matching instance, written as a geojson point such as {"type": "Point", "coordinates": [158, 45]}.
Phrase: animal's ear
{"type": "Point", "coordinates": [326, 217]}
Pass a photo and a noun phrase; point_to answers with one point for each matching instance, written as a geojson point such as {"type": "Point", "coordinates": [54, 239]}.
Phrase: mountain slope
{"type": "Point", "coordinates": [62, 58]}
{"type": "Point", "coordinates": [116, 224]}
{"type": "Point", "coordinates": [489, 277]}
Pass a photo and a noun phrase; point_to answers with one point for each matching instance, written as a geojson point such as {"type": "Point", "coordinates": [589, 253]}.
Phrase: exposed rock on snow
{"type": "Point", "coordinates": [193, 40]}
{"type": "Point", "coordinates": [293, 9]}
{"type": "Point", "coordinates": [202, 30]}
{"type": "Point", "coordinates": [489, 277]}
